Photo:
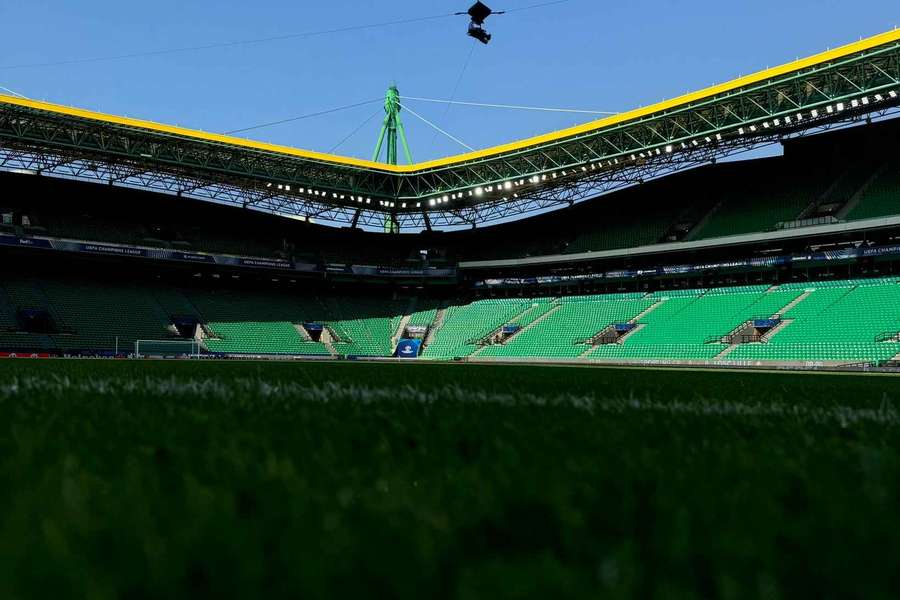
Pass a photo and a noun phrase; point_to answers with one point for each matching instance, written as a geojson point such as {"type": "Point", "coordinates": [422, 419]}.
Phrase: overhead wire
{"type": "Point", "coordinates": [253, 41]}
{"type": "Point", "coordinates": [453, 94]}
{"type": "Point", "coordinates": [301, 117]}
{"type": "Point", "coordinates": [449, 104]}
{"type": "Point", "coordinates": [510, 106]}
{"type": "Point", "coordinates": [228, 44]}
{"type": "Point", "coordinates": [310, 34]}
{"type": "Point", "coordinates": [438, 129]}
{"type": "Point", "coordinates": [538, 5]}
{"type": "Point", "coordinates": [13, 92]}
{"type": "Point", "coordinates": [354, 132]}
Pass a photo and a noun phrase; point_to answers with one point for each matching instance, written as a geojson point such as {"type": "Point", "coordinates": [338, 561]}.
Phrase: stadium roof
{"type": "Point", "coordinates": [557, 168]}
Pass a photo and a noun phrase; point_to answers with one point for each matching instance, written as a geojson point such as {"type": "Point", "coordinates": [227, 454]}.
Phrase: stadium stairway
{"type": "Point", "coordinates": [436, 324]}
{"type": "Point", "coordinates": [577, 318]}
{"type": "Point", "coordinates": [773, 193]}
{"type": "Point", "coordinates": [702, 222]}
{"type": "Point", "coordinates": [174, 303]}
{"type": "Point", "coordinates": [250, 322]}
{"type": "Point", "coordinates": [420, 318]}
{"type": "Point", "coordinates": [401, 324]}
{"type": "Point", "coordinates": [680, 327]}
{"type": "Point", "coordinates": [327, 340]}
{"type": "Point", "coordinates": [466, 324]}
{"type": "Point", "coordinates": [881, 197]}
{"type": "Point", "coordinates": [529, 318]}
{"type": "Point", "coordinates": [836, 323]}
{"type": "Point", "coordinates": [772, 332]}
{"type": "Point", "coordinates": [302, 332]}
{"type": "Point", "coordinates": [847, 191]}
{"type": "Point", "coordinates": [364, 325]}
{"type": "Point", "coordinates": [636, 321]}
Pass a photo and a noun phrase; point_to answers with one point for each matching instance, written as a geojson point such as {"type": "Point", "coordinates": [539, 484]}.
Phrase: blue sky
{"type": "Point", "coordinates": [581, 54]}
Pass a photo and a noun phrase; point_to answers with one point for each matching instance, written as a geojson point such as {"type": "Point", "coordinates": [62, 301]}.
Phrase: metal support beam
{"type": "Point", "coordinates": [555, 171]}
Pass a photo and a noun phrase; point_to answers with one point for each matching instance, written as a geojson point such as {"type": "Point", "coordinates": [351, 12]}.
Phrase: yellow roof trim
{"type": "Point", "coordinates": [803, 63]}
{"type": "Point", "coordinates": [823, 57]}
{"type": "Point", "coordinates": [191, 133]}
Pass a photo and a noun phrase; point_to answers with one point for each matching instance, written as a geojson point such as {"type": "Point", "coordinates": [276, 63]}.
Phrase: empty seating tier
{"type": "Point", "coordinates": [844, 321]}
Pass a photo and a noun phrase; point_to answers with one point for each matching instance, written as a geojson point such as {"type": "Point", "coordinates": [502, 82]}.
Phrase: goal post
{"type": "Point", "coordinates": [167, 348]}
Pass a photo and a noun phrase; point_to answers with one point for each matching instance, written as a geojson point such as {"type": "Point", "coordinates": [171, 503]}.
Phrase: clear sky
{"type": "Point", "coordinates": [583, 54]}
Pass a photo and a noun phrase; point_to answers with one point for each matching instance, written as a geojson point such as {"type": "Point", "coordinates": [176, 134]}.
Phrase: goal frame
{"type": "Point", "coordinates": [194, 345]}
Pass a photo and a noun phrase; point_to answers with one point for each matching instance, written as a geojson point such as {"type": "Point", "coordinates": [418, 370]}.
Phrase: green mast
{"type": "Point", "coordinates": [391, 129]}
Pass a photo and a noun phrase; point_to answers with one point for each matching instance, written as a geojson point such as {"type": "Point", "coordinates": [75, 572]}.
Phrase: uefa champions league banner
{"type": "Point", "coordinates": [265, 263]}
{"type": "Point", "coordinates": [408, 348]}
{"type": "Point", "coordinates": [279, 264]}
{"type": "Point", "coordinates": [402, 271]}
{"type": "Point", "coordinates": [109, 249]}
{"type": "Point", "coordinates": [825, 256]}
{"type": "Point", "coordinates": [881, 251]}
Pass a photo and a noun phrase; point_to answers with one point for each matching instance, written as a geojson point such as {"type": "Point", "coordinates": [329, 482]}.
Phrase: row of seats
{"type": "Point", "coordinates": [365, 325]}
{"type": "Point", "coordinates": [834, 321]}
{"type": "Point", "coordinates": [570, 321]}
{"type": "Point", "coordinates": [105, 317]}
{"type": "Point", "coordinates": [423, 317]}
{"type": "Point", "coordinates": [830, 321]}
{"type": "Point", "coordinates": [882, 197]}
{"type": "Point", "coordinates": [765, 199]}
{"type": "Point", "coordinates": [464, 325]}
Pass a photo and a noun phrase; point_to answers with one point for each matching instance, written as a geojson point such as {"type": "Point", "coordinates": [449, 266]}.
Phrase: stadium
{"type": "Point", "coordinates": [647, 355]}
{"type": "Point", "coordinates": [224, 242]}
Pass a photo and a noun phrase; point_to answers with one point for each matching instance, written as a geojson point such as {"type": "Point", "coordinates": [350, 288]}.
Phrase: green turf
{"type": "Point", "coordinates": [218, 480]}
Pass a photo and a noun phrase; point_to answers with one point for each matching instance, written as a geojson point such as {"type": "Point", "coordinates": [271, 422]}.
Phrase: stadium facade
{"type": "Point", "coordinates": [121, 236]}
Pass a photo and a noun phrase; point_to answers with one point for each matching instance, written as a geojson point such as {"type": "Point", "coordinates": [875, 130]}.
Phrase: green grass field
{"type": "Point", "coordinates": [253, 480]}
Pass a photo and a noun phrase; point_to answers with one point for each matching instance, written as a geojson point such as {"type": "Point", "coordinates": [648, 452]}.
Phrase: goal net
{"type": "Point", "coordinates": [167, 349]}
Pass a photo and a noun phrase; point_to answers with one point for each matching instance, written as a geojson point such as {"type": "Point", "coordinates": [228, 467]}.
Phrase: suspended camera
{"type": "Point", "coordinates": [478, 13]}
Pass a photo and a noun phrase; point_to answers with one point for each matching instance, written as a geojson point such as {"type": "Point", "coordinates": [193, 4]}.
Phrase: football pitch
{"type": "Point", "coordinates": [322, 480]}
